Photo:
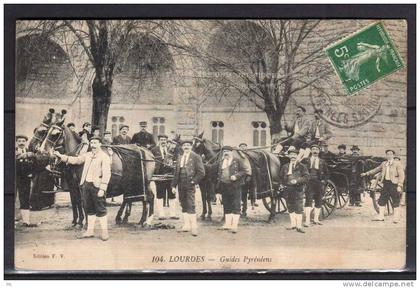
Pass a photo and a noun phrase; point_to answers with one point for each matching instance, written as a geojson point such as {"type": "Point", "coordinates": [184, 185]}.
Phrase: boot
{"type": "Point", "coordinates": [299, 223]}
{"type": "Point", "coordinates": [26, 218]}
{"type": "Point", "coordinates": [172, 209]}
{"type": "Point", "coordinates": [381, 215]}
{"type": "Point", "coordinates": [228, 222]}
{"type": "Point", "coordinates": [187, 225]}
{"type": "Point", "coordinates": [90, 229]}
{"type": "Point", "coordinates": [235, 221]}
{"type": "Point", "coordinates": [193, 221]}
{"type": "Point", "coordinates": [104, 227]}
{"type": "Point", "coordinates": [159, 208]}
{"type": "Point", "coordinates": [396, 215]}
{"type": "Point", "coordinates": [316, 216]}
{"type": "Point", "coordinates": [308, 211]}
{"type": "Point", "coordinates": [292, 221]}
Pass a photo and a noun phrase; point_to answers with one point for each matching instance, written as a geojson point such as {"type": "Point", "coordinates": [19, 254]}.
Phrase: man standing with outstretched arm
{"type": "Point", "coordinates": [392, 177]}
{"type": "Point", "coordinates": [188, 173]}
{"type": "Point", "coordinates": [94, 181]}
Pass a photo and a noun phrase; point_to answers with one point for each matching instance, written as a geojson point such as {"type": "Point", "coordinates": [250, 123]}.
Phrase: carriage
{"type": "Point", "coordinates": [344, 172]}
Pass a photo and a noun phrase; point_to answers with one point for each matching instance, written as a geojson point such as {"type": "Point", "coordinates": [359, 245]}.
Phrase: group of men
{"type": "Point", "coordinates": [305, 169]}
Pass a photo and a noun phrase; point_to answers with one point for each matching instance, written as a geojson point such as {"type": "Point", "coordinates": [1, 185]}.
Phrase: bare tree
{"type": "Point", "coordinates": [265, 62]}
{"type": "Point", "coordinates": [106, 46]}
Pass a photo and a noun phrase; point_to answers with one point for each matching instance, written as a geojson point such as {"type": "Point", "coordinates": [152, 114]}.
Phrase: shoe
{"type": "Point", "coordinates": [318, 223]}
{"type": "Point", "coordinates": [29, 225]}
{"type": "Point", "coordinates": [358, 205]}
{"type": "Point", "coordinates": [300, 230]}
{"type": "Point", "coordinates": [105, 238]}
{"type": "Point", "coordinates": [174, 218]}
{"type": "Point", "coordinates": [305, 225]}
{"type": "Point", "coordinates": [378, 219]}
{"type": "Point", "coordinates": [290, 228]}
{"type": "Point", "coordinates": [161, 218]}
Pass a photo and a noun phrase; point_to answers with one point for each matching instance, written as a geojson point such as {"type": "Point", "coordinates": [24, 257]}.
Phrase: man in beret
{"type": "Point", "coordinates": [165, 196]}
{"type": "Point", "coordinates": [24, 166]}
{"type": "Point", "coordinates": [85, 134]}
{"type": "Point", "coordinates": [143, 138]}
{"type": "Point", "coordinates": [298, 132]}
{"type": "Point", "coordinates": [392, 177]}
{"type": "Point", "coordinates": [107, 139]}
{"type": "Point", "coordinates": [188, 173]}
{"type": "Point", "coordinates": [71, 126]}
{"type": "Point", "coordinates": [293, 176]}
{"type": "Point", "coordinates": [318, 176]}
{"type": "Point", "coordinates": [94, 183]}
{"type": "Point", "coordinates": [231, 176]}
{"type": "Point", "coordinates": [122, 138]}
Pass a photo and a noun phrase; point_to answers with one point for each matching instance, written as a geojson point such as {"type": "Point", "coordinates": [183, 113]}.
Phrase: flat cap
{"type": "Point", "coordinates": [186, 141]}
{"type": "Point", "coordinates": [162, 136]}
{"type": "Point", "coordinates": [227, 148]}
{"type": "Point", "coordinates": [124, 126]}
{"type": "Point", "coordinates": [388, 150]}
{"type": "Point", "coordinates": [96, 138]}
{"type": "Point", "coordinates": [143, 123]}
{"type": "Point", "coordinates": [342, 146]}
{"type": "Point", "coordinates": [21, 136]}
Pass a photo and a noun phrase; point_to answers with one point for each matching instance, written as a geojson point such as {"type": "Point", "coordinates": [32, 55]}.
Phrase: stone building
{"type": "Point", "coordinates": [174, 101]}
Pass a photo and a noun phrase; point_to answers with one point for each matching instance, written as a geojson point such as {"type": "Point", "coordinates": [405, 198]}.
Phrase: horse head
{"type": "Point", "coordinates": [41, 131]}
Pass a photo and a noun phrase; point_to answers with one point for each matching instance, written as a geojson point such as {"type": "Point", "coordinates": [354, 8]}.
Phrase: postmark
{"type": "Point", "coordinates": [364, 57]}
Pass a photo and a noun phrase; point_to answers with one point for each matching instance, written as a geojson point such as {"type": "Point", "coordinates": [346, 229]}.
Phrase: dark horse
{"type": "Point", "coordinates": [212, 155]}
{"type": "Point", "coordinates": [61, 138]}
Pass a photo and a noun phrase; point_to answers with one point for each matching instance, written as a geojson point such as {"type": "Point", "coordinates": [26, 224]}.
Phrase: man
{"type": "Point", "coordinates": [96, 132]}
{"type": "Point", "coordinates": [342, 151]}
{"type": "Point", "coordinates": [356, 184]}
{"type": "Point", "coordinates": [325, 153]}
{"type": "Point", "coordinates": [85, 134]}
{"type": "Point", "coordinates": [24, 167]}
{"type": "Point", "coordinates": [299, 132]}
{"type": "Point", "coordinates": [293, 176]}
{"type": "Point", "coordinates": [71, 126]}
{"type": "Point", "coordinates": [392, 177]}
{"type": "Point", "coordinates": [94, 183]}
{"type": "Point", "coordinates": [165, 196]}
{"type": "Point", "coordinates": [318, 175]}
{"type": "Point", "coordinates": [319, 130]}
{"type": "Point", "coordinates": [123, 138]}
{"type": "Point", "coordinates": [230, 177]}
{"type": "Point", "coordinates": [107, 138]}
{"type": "Point", "coordinates": [188, 173]}
{"type": "Point", "coordinates": [143, 138]}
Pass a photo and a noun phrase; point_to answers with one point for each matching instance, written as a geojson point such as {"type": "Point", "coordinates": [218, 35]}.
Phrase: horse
{"type": "Point", "coordinates": [62, 139]}
{"type": "Point", "coordinates": [211, 153]}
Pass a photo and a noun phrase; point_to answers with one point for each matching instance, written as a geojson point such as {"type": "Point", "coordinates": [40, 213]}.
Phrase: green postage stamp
{"type": "Point", "coordinates": [364, 57]}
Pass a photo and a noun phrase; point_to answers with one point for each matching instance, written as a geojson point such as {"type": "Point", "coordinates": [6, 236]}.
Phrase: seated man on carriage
{"type": "Point", "coordinates": [299, 132]}
{"type": "Point", "coordinates": [392, 176]}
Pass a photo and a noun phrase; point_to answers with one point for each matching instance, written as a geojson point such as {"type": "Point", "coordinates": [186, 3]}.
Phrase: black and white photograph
{"type": "Point", "coordinates": [210, 144]}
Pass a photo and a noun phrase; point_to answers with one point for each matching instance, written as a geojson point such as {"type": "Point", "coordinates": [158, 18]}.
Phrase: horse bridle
{"type": "Point", "coordinates": [36, 137]}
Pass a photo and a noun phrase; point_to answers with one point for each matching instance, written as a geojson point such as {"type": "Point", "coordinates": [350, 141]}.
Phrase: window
{"type": "Point", "coordinates": [117, 122]}
{"type": "Point", "coordinates": [158, 126]}
{"type": "Point", "coordinates": [259, 133]}
{"type": "Point", "coordinates": [217, 131]}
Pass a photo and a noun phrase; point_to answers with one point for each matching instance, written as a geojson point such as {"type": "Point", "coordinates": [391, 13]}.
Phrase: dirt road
{"type": "Point", "coordinates": [347, 240]}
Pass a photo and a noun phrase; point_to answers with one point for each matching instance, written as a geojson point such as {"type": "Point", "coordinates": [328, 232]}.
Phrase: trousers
{"type": "Point", "coordinates": [389, 191]}
{"type": "Point", "coordinates": [294, 199]}
{"type": "Point", "coordinates": [231, 197]}
{"type": "Point", "coordinates": [23, 186]}
{"type": "Point", "coordinates": [186, 192]}
{"type": "Point", "coordinates": [93, 204]}
{"type": "Point", "coordinates": [314, 192]}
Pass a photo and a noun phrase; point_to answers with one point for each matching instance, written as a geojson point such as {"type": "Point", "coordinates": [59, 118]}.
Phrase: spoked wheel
{"type": "Point", "coordinates": [330, 199]}
{"type": "Point", "coordinates": [281, 206]}
{"type": "Point", "coordinates": [343, 197]}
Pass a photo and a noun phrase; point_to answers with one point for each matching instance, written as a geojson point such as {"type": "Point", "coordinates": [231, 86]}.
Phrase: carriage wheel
{"type": "Point", "coordinates": [343, 197]}
{"type": "Point", "coordinates": [330, 199]}
{"type": "Point", "coordinates": [281, 206]}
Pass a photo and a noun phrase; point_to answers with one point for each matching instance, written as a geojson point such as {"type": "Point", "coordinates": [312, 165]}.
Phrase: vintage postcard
{"type": "Point", "coordinates": [163, 145]}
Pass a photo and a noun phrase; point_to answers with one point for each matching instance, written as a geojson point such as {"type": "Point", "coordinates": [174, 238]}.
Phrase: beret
{"type": "Point", "coordinates": [71, 124]}
{"type": "Point", "coordinates": [387, 150]}
{"type": "Point", "coordinates": [301, 107]}
{"type": "Point", "coordinates": [314, 145]}
{"type": "Point", "coordinates": [355, 147]}
{"type": "Point", "coordinates": [124, 126]}
{"type": "Point", "coordinates": [243, 144]}
{"type": "Point", "coordinates": [292, 150]}
{"type": "Point", "coordinates": [162, 136]}
{"type": "Point", "coordinates": [143, 123]}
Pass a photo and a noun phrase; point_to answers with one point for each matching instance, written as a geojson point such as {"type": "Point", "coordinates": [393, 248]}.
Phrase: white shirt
{"type": "Point", "coordinates": [387, 177]}
{"type": "Point", "coordinates": [226, 162]}
{"type": "Point", "coordinates": [317, 134]}
{"type": "Point", "coordinates": [184, 159]}
{"type": "Point", "coordinates": [163, 151]}
{"type": "Point", "coordinates": [314, 162]}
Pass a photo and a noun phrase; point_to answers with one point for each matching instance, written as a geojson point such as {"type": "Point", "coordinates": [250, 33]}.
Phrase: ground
{"type": "Point", "coordinates": [347, 240]}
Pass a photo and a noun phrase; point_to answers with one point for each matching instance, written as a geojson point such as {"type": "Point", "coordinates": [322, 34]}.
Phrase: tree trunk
{"type": "Point", "coordinates": [274, 118]}
{"type": "Point", "coordinates": [101, 100]}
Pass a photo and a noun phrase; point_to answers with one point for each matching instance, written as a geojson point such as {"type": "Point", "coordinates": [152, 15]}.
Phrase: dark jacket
{"type": "Point", "coordinates": [160, 168]}
{"type": "Point", "coordinates": [324, 130]}
{"type": "Point", "coordinates": [119, 140]}
{"type": "Point", "coordinates": [237, 169]}
{"type": "Point", "coordinates": [300, 173]}
{"type": "Point", "coordinates": [304, 127]}
{"type": "Point", "coordinates": [24, 162]}
{"type": "Point", "coordinates": [194, 168]}
{"type": "Point", "coordinates": [89, 135]}
{"type": "Point", "coordinates": [323, 173]}
{"type": "Point", "coordinates": [143, 138]}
